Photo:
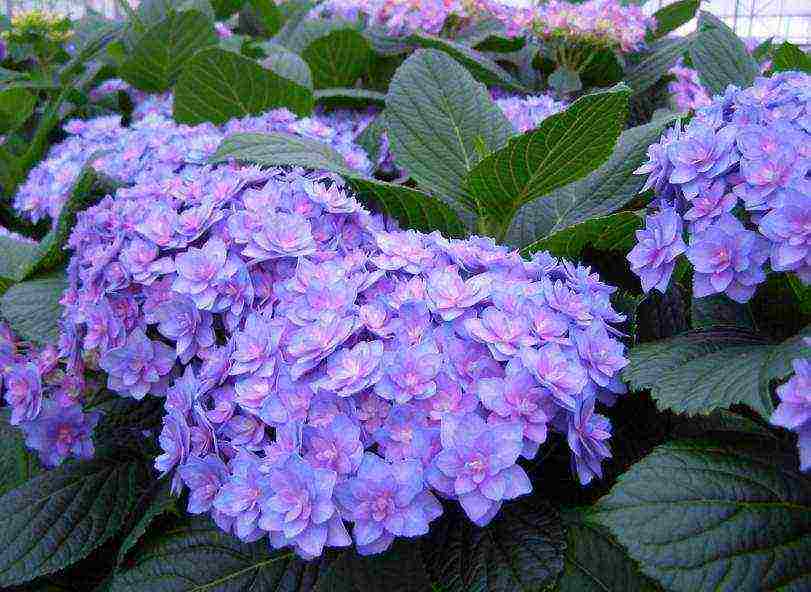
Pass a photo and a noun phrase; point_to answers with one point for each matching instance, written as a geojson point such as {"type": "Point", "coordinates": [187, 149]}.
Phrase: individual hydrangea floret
{"type": "Point", "coordinates": [738, 174]}
{"type": "Point", "coordinates": [139, 366]}
{"type": "Point", "coordinates": [60, 432]}
{"type": "Point", "coordinates": [794, 410]}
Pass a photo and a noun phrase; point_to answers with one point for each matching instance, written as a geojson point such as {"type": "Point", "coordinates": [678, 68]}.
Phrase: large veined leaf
{"type": "Point", "coordinates": [60, 516]}
{"type": "Point", "coordinates": [674, 15]}
{"type": "Point", "coordinates": [604, 191]}
{"type": "Point", "coordinates": [262, 17]}
{"type": "Point", "coordinates": [564, 148]}
{"type": "Point", "coordinates": [349, 97]}
{"type": "Point", "coordinates": [200, 557]}
{"type": "Point", "coordinates": [790, 57]}
{"type": "Point", "coordinates": [413, 208]}
{"type": "Point", "coordinates": [162, 502]}
{"type": "Point", "coordinates": [225, 8]}
{"type": "Point", "coordinates": [15, 257]}
{"type": "Point", "coordinates": [702, 371]}
{"type": "Point", "coordinates": [18, 464]}
{"type": "Point", "coordinates": [699, 515]}
{"type": "Point", "coordinates": [279, 149]}
{"type": "Point", "coordinates": [16, 106]}
{"type": "Point", "coordinates": [307, 31]}
{"type": "Point", "coordinates": [721, 57]}
{"type": "Point", "coordinates": [483, 68]}
{"type": "Point", "coordinates": [158, 57]}
{"type": "Point", "coordinates": [338, 58]}
{"type": "Point", "coordinates": [522, 549]}
{"type": "Point", "coordinates": [595, 562]}
{"type": "Point", "coordinates": [663, 55]}
{"type": "Point", "coordinates": [217, 85]}
{"type": "Point", "coordinates": [400, 569]}
{"type": "Point", "coordinates": [608, 233]}
{"type": "Point", "coordinates": [440, 121]}
{"type": "Point", "coordinates": [32, 308]}
{"type": "Point", "coordinates": [287, 64]}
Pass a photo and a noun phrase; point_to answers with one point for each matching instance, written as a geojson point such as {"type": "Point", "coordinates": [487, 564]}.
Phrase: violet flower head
{"type": "Point", "coordinates": [240, 496]}
{"type": "Point", "coordinates": [138, 367]}
{"type": "Point", "coordinates": [336, 446]}
{"type": "Point", "coordinates": [727, 258]}
{"type": "Point", "coordinates": [794, 410]}
{"type": "Point", "coordinates": [477, 465]}
{"type": "Point", "coordinates": [198, 270]}
{"type": "Point", "coordinates": [502, 333]}
{"type": "Point", "coordinates": [658, 246]}
{"type": "Point", "coordinates": [384, 501]}
{"type": "Point", "coordinates": [350, 371]}
{"type": "Point", "coordinates": [60, 432]}
{"type": "Point", "coordinates": [181, 321]}
{"type": "Point", "coordinates": [298, 510]}
{"type": "Point", "coordinates": [449, 295]}
{"type": "Point", "coordinates": [204, 477]}
{"type": "Point", "coordinates": [601, 356]}
{"type": "Point", "coordinates": [23, 387]}
{"type": "Point", "coordinates": [175, 441]}
{"type": "Point", "coordinates": [553, 369]}
{"type": "Point", "coordinates": [587, 437]}
{"type": "Point", "coordinates": [410, 373]}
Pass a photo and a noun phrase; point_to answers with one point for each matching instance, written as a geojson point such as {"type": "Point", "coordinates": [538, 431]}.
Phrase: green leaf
{"type": "Point", "coordinates": [480, 66]}
{"type": "Point", "coordinates": [61, 516]}
{"type": "Point", "coordinates": [217, 85]}
{"type": "Point", "coordinates": [564, 148]}
{"type": "Point", "coordinates": [18, 464]}
{"type": "Point", "coordinates": [349, 97]}
{"type": "Point", "coordinates": [16, 106]}
{"type": "Point", "coordinates": [160, 55]}
{"type": "Point", "coordinates": [437, 115]}
{"type": "Point", "coordinates": [671, 17]}
{"type": "Point", "coordinates": [294, 14]}
{"type": "Point", "coordinates": [720, 310]}
{"type": "Point", "coordinates": [609, 233]}
{"type": "Point", "coordinates": [655, 66]}
{"type": "Point", "coordinates": [801, 291]}
{"type": "Point", "coordinates": [162, 503]}
{"type": "Point", "coordinates": [604, 191]}
{"type": "Point", "coordinates": [721, 57]}
{"type": "Point", "coordinates": [279, 149]}
{"type": "Point", "coordinates": [565, 80]}
{"type": "Point", "coordinates": [701, 371]}
{"type": "Point", "coordinates": [704, 516]}
{"type": "Point", "coordinates": [15, 258]}
{"type": "Point", "coordinates": [764, 50]}
{"type": "Point", "coordinates": [790, 57]}
{"type": "Point", "coordinates": [266, 14]}
{"type": "Point", "coordinates": [411, 207]}
{"type": "Point", "coordinates": [287, 64]}
{"type": "Point", "coordinates": [32, 308]}
{"type": "Point", "coordinates": [225, 8]}
{"type": "Point", "coordinates": [307, 31]}
{"type": "Point", "coordinates": [522, 549]}
{"type": "Point", "coordinates": [400, 569]}
{"type": "Point", "coordinates": [200, 557]}
{"type": "Point", "coordinates": [595, 562]}
{"type": "Point", "coordinates": [338, 58]}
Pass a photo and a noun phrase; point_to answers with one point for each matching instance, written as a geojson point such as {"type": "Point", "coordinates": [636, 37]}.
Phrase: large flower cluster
{"type": "Point", "coordinates": [154, 147]}
{"type": "Point", "coordinates": [604, 22]}
{"type": "Point", "coordinates": [794, 410]}
{"type": "Point", "coordinates": [43, 401]}
{"type": "Point", "coordinates": [738, 177]}
{"type": "Point", "coordinates": [322, 367]}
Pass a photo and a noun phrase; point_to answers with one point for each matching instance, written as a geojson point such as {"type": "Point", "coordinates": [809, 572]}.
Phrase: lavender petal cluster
{"type": "Point", "coordinates": [794, 410]}
{"type": "Point", "coordinates": [733, 191]}
{"type": "Point", "coordinates": [328, 377]}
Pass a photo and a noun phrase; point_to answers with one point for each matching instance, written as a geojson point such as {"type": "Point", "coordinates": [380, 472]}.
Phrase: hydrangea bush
{"type": "Point", "coordinates": [405, 296]}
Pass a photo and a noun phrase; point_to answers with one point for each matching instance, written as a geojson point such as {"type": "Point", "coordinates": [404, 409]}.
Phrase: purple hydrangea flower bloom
{"type": "Point", "coordinates": [564, 378]}
{"type": "Point", "coordinates": [175, 440]}
{"type": "Point", "coordinates": [712, 201]}
{"type": "Point", "coordinates": [190, 328]}
{"type": "Point", "coordinates": [702, 151]}
{"type": "Point", "coordinates": [140, 259]}
{"type": "Point", "coordinates": [503, 334]}
{"type": "Point", "coordinates": [282, 235]}
{"type": "Point", "coordinates": [23, 392]}
{"type": "Point", "coordinates": [450, 397]}
{"type": "Point", "coordinates": [794, 410]}
{"type": "Point", "coordinates": [788, 227]}
{"type": "Point", "coordinates": [410, 373]}
{"type": "Point", "coordinates": [137, 367]}
{"type": "Point", "coordinates": [256, 347]}
{"type": "Point", "coordinates": [405, 434]}
{"type": "Point", "coordinates": [311, 344]}
{"type": "Point", "coordinates": [588, 432]}
{"type": "Point", "coordinates": [103, 329]}
{"type": "Point", "coordinates": [289, 402]}
{"type": "Point", "coordinates": [336, 446]}
{"type": "Point", "coordinates": [517, 398]}
{"type": "Point", "coordinates": [240, 495]}
{"type": "Point", "coordinates": [406, 251]}
{"type": "Point", "coordinates": [477, 465]}
{"type": "Point", "coordinates": [59, 432]}
{"type": "Point", "coordinates": [350, 371]}
{"type": "Point", "coordinates": [601, 355]}
{"type": "Point", "coordinates": [658, 246]}
{"type": "Point", "coordinates": [386, 500]}
{"type": "Point", "coordinates": [449, 295]}
{"type": "Point", "coordinates": [204, 477]}
{"type": "Point", "coordinates": [198, 271]}
{"type": "Point", "coordinates": [727, 258]}
{"type": "Point", "coordinates": [298, 510]}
